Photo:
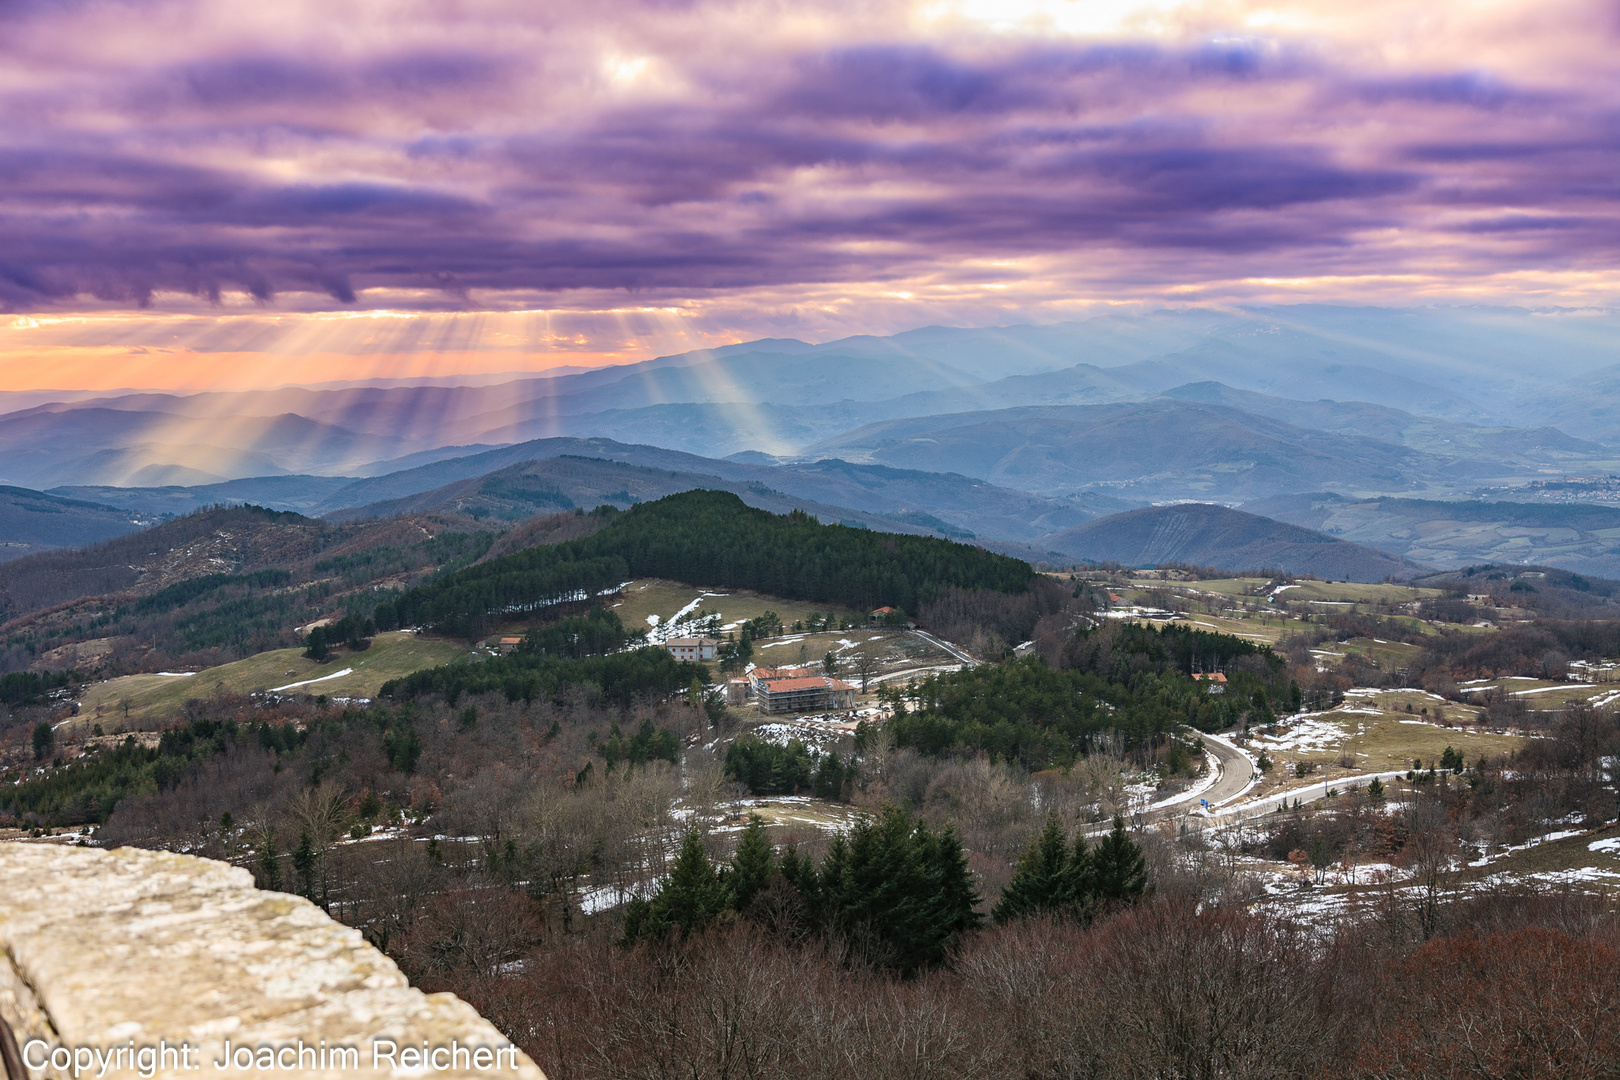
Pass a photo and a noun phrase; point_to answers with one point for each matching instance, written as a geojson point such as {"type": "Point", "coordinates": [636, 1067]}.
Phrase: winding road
{"type": "Point", "coordinates": [967, 661]}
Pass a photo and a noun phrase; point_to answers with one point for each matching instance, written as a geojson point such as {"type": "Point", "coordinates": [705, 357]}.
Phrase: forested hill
{"type": "Point", "coordinates": [711, 538]}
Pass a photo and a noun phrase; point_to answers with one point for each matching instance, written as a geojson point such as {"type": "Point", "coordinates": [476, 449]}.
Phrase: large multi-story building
{"type": "Point", "coordinates": [786, 690]}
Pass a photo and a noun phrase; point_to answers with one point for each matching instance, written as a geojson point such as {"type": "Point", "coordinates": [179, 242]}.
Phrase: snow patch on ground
{"type": "Point", "coordinates": [1308, 731]}
{"type": "Point", "coordinates": [311, 682]}
{"type": "Point", "coordinates": [1562, 834]}
{"type": "Point", "coordinates": [1211, 774]}
{"type": "Point", "coordinates": [815, 736]}
{"type": "Point", "coordinates": [611, 896]}
{"type": "Point", "coordinates": [1611, 846]}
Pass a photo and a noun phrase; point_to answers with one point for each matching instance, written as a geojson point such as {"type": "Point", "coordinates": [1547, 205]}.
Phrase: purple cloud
{"type": "Point", "coordinates": [665, 150]}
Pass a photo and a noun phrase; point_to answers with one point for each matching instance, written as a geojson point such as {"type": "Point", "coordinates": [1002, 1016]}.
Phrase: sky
{"type": "Point", "coordinates": [208, 194]}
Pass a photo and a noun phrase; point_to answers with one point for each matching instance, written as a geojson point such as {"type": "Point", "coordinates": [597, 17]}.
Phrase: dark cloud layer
{"type": "Point", "coordinates": [534, 152]}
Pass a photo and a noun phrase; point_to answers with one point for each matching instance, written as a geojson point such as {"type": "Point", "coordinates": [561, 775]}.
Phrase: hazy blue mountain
{"type": "Point", "coordinates": [298, 492]}
{"type": "Point", "coordinates": [54, 445]}
{"type": "Point", "coordinates": [563, 483]}
{"type": "Point", "coordinates": [1147, 451]}
{"type": "Point", "coordinates": [1207, 535]}
{"type": "Point", "coordinates": [1587, 405]}
{"type": "Point", "coordinates": [33, 521]}
{"type": "Point", "coordinates": [962, 503]}
{"type": "Point", "coordinates": [1518, 447]}
{"type": "Point", "coordinates": [952, 504]}
{"type": "Point", "coordinates": [783, 397]}
{"type": "Point", "coordinates": [422, 457]}
{"type": "Point", "coordinates": [1450, 534]}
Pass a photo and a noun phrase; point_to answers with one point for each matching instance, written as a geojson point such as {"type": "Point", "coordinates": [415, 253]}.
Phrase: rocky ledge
{"type": "Point", "coordinates": [132, 963]}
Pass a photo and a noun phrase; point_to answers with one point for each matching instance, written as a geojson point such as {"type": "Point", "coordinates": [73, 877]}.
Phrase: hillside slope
{"type": "Point", "coordinates": [950, 503]}
{"type": "Point", "coordinates": [33, 521]}
{"type": "Point", "coordinates": [1159, 449]}
{"type": "Point", "coordinates": [1207, 535]}
{"type": "Point", "coordinates": [563, 483]}
{"type": "Point", "coordinates": [1582, 538]}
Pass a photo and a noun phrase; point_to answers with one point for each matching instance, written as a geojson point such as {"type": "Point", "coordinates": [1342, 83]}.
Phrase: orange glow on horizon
{"type": "Point", "coordinates": [80, 368]}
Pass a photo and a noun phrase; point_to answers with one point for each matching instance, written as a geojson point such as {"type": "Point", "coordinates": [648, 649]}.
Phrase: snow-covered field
{"type": "Point", "coordinates": [1307, 732]}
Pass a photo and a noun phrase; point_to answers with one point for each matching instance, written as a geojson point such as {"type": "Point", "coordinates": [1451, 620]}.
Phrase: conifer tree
{"type": "Point", "coordinates": [1118, 867]}
{"type": "Point", "coordinates": [304, 859]}
{"type": "Point", "coordinates": [752, 865]}
{"type": "Point", "coordinates": [1082, 875]}
{"type": "Point", "coordinates": [898, 892]}
{"type": "Point", "coordinates": [1044, 882]}
{"type": "Point", "coordinates": [688, 901]}
{"type": "Point", "coordinates": [958, 905]}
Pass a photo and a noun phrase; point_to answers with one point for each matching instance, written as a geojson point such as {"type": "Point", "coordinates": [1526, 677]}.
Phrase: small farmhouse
{"type": "Point", "coordinates": [1216, 681]}
{"type": "Point", "coordinates": [693, 648]}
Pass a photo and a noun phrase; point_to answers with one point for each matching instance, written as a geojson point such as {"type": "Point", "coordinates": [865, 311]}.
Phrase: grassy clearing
{"type": "Point", "coordinates": [1228, 587]}
{"type": "Point", "coordinates": [1393, 741]}
{"type": "Point", "coordinates": [1386, 655]}
{"type": "Point", "coordinates": [160, 697]}
{"type": "Point", "coordinates": [1268, 629]}
{"type": "Point", "coordinates": [654, 596]}
{"type": "Point", "coordinates": [799, 814]}
{"type": "Point", "coordinates": [1556, 856]}
{"type": "Point", "coordinates": [1350, 592]}
{"type": "Point", "coordinates": [1542, 695]}
{"type": "Point", "coordinates": [1378, 735]}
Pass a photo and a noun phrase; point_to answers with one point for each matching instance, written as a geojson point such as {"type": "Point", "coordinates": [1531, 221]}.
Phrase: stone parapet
{"type": "Point", "coordinates": [137, 950]}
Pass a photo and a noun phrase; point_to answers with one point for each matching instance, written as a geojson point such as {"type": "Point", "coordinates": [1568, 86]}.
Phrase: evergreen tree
{"type": "Point", "coordinates": [304, 859]}
{"type": "Point", "coordinates": [830, 776]}
{"type": "Point", "coordinates": [691, 899]}
{"type": "Point", "coordinates": [269, 866]}
{"type": "Point", "coordinates": [888, 890]}
{"type": "Point", "coordinates": [1118, 868]}
{"type": "Point", "coordinates": [1044, 882]}
{"type": "Point", "coordinates": [752, 865]}
{"type": "Point", "coordinates": [957, 908]}
{"type": "Point", "coordinates": [44, 740]}
{"type": "Point", "coordinates": [898, 893]}
{"type": "Point", "coordinates": [1082, 874]}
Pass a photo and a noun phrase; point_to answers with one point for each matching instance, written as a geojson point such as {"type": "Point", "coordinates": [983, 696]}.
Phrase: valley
{"type": "Point", "coordinates": [533, 736]}
{"type": "Point", "coordinates": [738, 541]}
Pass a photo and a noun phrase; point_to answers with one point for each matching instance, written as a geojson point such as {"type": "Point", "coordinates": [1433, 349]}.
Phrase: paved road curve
{"type": "Point", "coordinates": [1237, 772]}
{"type": "Point", "coordinates": [967, 661]}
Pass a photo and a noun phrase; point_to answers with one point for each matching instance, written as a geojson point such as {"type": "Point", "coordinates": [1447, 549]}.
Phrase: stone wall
{"type": "Point", "coordinates": [102, 951]}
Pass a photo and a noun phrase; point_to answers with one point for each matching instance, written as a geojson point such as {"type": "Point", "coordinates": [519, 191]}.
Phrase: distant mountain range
{"type": "Point", "coordinates": [1199, 534]}
{"type": "Point", "coordinates": [31, 521]}
{"type": "Point", "coordinates": [1491, 368]}
{"type": "Point", "coordinates": [1009, 435]}
{"type": "Point", "coordinates": [1585, 539]}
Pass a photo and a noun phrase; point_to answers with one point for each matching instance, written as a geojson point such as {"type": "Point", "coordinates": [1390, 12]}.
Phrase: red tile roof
{"type": "Point", "coordinates": [766, 673]}
{"type": "Point", "coordinates": [805, 682]}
